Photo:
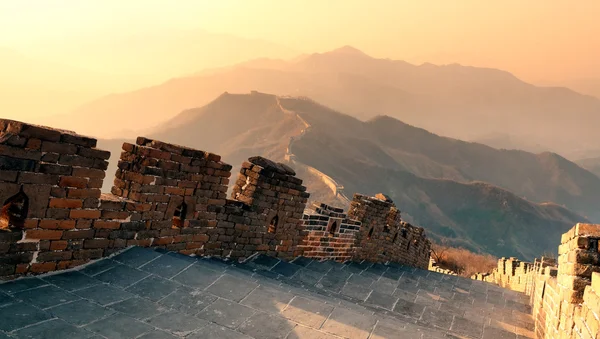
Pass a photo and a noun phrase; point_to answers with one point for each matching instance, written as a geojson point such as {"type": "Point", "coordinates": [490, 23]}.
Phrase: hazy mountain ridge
{"type": "Point", "coordinates": [459, 101]}
{"type": "Point", "coordinates": [591, 164]}
{"type": "Point", "coordinates": [430, 177]}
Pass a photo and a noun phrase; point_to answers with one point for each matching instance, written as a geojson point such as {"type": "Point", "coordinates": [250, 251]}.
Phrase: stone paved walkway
{"type": "Point", "coordinates": [149, 294]}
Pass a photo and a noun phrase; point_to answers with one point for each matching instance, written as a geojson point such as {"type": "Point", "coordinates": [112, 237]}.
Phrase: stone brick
{"type": "Point", "coordinates": [76, 182]}
{"type": "Point", "coordinates": [56, 224]}
{"type": "Point", "coordinates": [42, 267]}
{"type": "Point", "coordinates": [88, 173]}
{"type": "Point", "coordinates": [54, 256]}
{"type": "Point", "coordinates": [78, 234]}
{"type": "Point", "coordinates": [104, 224]}
{"type": "Point", "coordinates": [93, 153]}
{"type": "Point", "coordinates": [88, 254]}
{"type": "Point", "coordinates": [84, 193]}
{"type": "Point", "coordinates": [10, 176]}
{"type": "Point", "coordinates": [58, 245]}
{"type": "Point", "coordinates": [37, 178]}
{"type": "Point", "coordinates": [65, 203]}
{"type": "Point", "coordinates": [85, 214]}
{"type": "Point", "coordinates": [96, 243]}
{"type": "Point", "coordinates": [44, 234]}
{"type": "Point", "coordinates": [60, 148]}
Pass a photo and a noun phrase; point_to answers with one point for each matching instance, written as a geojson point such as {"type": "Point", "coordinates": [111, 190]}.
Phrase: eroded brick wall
{"type": "Point", "coordinates": [383, 236]}
{"type": "Point", "coordinates": [330, 233]}
{"type": "Point", "coordinates": [54, 177]}
{"type": "Point", "coordinates": [54, 216]}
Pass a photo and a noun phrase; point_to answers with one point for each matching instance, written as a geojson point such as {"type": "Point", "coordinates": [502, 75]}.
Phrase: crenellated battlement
{"type": "Point", "coordinates": [54, 215]}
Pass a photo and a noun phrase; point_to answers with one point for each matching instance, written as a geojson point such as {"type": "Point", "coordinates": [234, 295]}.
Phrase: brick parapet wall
{"type": "Point", "coordinates": [330, 233]}
{"type": "Point", "coordinates": [384, 236]}
{"type": "Point", "coordinates": [564, 296]}
{"type": "Point", "coordinates": [55, 217]}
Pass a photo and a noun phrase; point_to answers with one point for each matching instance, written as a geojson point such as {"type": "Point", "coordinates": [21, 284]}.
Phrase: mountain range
{"type": "Point", "coordinates": [495, 201]}
{"type": "Point", "coordinates": [467, 103]}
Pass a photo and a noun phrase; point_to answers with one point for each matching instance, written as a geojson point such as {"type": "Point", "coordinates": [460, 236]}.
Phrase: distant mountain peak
{"type": "Point", "coordinates": [348, 50]}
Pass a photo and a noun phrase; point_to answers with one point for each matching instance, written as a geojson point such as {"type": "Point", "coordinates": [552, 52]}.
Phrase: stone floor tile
{"type": "Point", "coordinates": [264, 261]}
{"type": "Point", "coordinates": [303, 332]}
{"type": "Point", "coordinates": [331, 283]}
{"type": "Point", "coordinates": [307, 277]}
{"type": "Point", "coordinates": [467, 327]}
{"type": "Point", "coordinates": [359, 292]}
{"type": "Point", "coordinates": [177, 323]}
{"type": "Point", "coordinates": [53, 329]}
{"type": "Point", "coordinates": [197, 276]}
{"type": "Point", "coordinates": [188, 258]}
{"type": "Point", "coordinates": [165, 266]}
{"type": "Point", "coordinates": [377, 269]}
{"type": "Point", "coordinates": [6, 300]}
{"type": "Point", "coordinates": [138, 308]}
{"type": "Point", "coordinates": [308, 312]}
{"type": "Point", "coordinates": [153, 288]}
{"type": "Point", "coordinates": [80, 312]}
{"type": "Point", "coordinates": [402, 294]}
{"type": "Point", "coordinates": [428, 299]}
{"type": "Point", "coordinates": [19, 285]}
{"type": "Point", "coordinates": [103, 294]}
{"type": "Point", "coordinates": [409, 309]}
{"type": "Point", "coordinates": [272, 300]}
{"type": "Point", "coordinates": [385, 330]}
{"type": "Point", "coordinates": [381, 300]}
{"type": "Point", "coordinates": [319, 266]}
{"type": "Point", "coordinates": [226, 313]}
{"type": "Point", "coordinates": [188, 300]}
{"type": "Point", "coordinates": [349, 324]}
{"type": "Point", "coordinates": [119, 326]}
{"type": "Point", "coordinates": [46, 296]}
{"type": "Point", "coordinates": [393, 274]}
{"type": "Point", "coordinates": [136, 256]}
{"type": "Point", "coordinates": [451, 308]}
{"type": "Point", "coordinates": [98, 267]}
{"type": "Point", "coordinates": [360, 280]}
{"type": "Point", "coordinates": [490, 332]}
{"type": "Point", "coordinates": [158, 334]}
{"type": "Point", "coordinates": [437, 318]}
{"type": "Point", "coordinates": [122, 276]}
{"type": "Point", "coordinates": [384, 286]}
{"type": "Point", "coordinates": [215, 264]}
{"type": "Point", "coordinates": [231, 288]}
{"type": "Point", "coordinates": [285, 269]}
{"type": "Point", "coordinates": [355, 267]}
{"type": "Point", "coordinates": [302, 261]}
{"type": "Point", "coordinates": [215, 331]}
{"type": "Point", "coordinates": [267, 326]}
{"type": "Point", "coordinates": [19, 315]}
{"type": "Point", "coordinates": [72, 280]}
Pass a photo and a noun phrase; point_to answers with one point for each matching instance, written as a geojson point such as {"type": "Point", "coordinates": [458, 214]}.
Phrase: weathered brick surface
{"type": "Point", "coordinates": [173, 197]}
{"type": "Point", "coordinates": [330, 234]}
{"type": "Point", "coordinates": [384, 236]}
{"type": "Point", "coordinates": [564, 295]}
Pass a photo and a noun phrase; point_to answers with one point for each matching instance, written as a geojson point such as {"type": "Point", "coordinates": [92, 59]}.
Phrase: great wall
{"type": "Point", "coordinates": [564, 295]}
{"type": "Point", "coordinates": [55, 217]}
{"type": "Point", "coordinates": [336, 188]}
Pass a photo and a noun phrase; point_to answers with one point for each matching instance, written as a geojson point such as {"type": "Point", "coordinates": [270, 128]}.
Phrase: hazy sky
{"type": "Point", "coordinates": [535, 39]}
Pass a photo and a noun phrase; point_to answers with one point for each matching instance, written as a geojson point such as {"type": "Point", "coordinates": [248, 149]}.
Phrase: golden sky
{"type": "Point", "coordinates": [538, 40]}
